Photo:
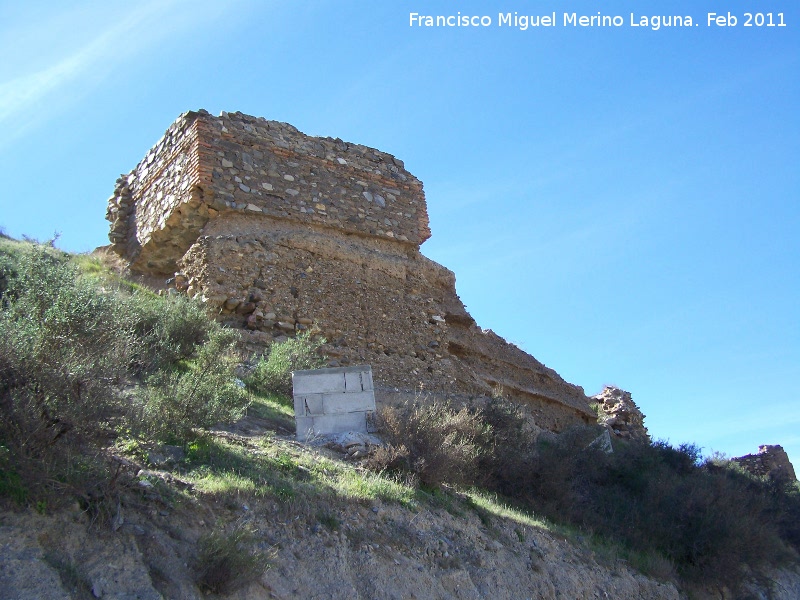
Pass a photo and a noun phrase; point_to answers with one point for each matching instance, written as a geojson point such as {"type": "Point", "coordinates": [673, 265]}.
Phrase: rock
{"type": "Point", "coordinates": [618, 412]}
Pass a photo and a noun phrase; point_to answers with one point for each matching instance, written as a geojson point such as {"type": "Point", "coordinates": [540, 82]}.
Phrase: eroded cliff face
{"type": "Point", "coordinates": [279, 232]}
{"type": "Point", "coordinates": [383, 551]}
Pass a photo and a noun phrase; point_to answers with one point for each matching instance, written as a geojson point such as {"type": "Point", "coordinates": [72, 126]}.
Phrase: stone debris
{"type": "Point", "coordinates": [619, 414]}
{"type": "Point", "coordinates": [352, 444]}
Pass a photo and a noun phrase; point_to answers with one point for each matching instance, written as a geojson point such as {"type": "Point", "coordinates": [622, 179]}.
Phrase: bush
{"type": "Point", "coordinates": [62, 349]}
{"type": "Point", "coordinates": [509, 453]}
{"type": "Point", "coordinates": [654, 498]}
{"type": "Point", "coordinates": [69, 345]}
{"type": "Point", "coordinates": [167, 329]}
{"type": "Point", "coordinates": [273, 374]}
{"type": "Point", "coordinates": [228, 559]}
{"type": "Point", "coordinates": [436, 442]}
{"type": "Point", "coordinates": [200, 393]}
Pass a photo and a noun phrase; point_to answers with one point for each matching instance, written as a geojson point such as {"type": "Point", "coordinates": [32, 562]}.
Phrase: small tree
{"type": "Point", "coordinates": [273, 374]}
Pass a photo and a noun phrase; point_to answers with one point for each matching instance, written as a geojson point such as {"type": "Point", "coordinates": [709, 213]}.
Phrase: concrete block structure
{"type": "Point", "coordinates": [334, 400]}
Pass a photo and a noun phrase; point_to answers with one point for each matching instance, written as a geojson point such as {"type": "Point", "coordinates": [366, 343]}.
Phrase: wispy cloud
{"type": "Point", "coordinates": [46, 81]}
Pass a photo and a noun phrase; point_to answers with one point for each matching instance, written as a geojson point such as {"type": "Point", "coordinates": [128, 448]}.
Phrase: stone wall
{"type": "Point", "coordinates": [770, 461]}
{"type": "Point", "coordinates": [204, 165]}
{"type": "Point", "coordinates": [278, 232]}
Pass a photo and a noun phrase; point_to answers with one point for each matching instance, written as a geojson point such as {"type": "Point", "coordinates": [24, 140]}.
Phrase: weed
{"type": "Point", "coordinates": [329, 520]}
{"type": "Point", "coordinates": [228, 558]}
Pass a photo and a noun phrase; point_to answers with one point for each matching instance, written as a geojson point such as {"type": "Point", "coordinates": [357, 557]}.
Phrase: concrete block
{"type": "Point", "coordinates": [308, 404]}
{"type": "Point", "coordinates": [333, 400]}
{"type": "Point", "coordinates": [325, 424]}
{"type": "Point", "coordinates": [309, 382]}
{"type": "Point", "coordinates": [354, 382]}
{"type": "Point", "coordinates": [366, 379]}
{"type": "Point", "coordinates": [305, 428]}
{"type": "Point", "coordinates": [348, 403]}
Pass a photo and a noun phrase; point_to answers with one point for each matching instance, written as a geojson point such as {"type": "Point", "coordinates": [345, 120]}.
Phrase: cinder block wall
{"type": "Point", "coordinates": [333, 400]}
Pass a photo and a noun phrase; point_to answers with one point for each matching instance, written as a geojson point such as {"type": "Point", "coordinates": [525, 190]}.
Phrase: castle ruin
{"type": "Point", "coordinates": [279, 232]}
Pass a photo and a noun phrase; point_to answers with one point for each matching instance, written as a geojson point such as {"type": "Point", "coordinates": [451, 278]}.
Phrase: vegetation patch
{"type": "Point", "coordinates": [72, 346]}
{"type": "Point", "coordinates": [229, 557]}
{"type": "Point", "coordinates": [272, 373]}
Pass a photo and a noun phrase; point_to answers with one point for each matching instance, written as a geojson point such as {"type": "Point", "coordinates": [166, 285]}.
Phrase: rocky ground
{"type": "Point", "coordinates": [145, 546]}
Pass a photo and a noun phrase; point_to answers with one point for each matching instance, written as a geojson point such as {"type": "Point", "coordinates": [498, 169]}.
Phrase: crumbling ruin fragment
{"type": "Point", "coordinates": [619, 413]}
{"type": "Point", "coordinates": [771, 461]}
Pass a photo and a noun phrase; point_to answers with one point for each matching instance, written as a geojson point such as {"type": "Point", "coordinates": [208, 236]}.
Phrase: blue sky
{"type": "Point", "coordinates": [621, 202]}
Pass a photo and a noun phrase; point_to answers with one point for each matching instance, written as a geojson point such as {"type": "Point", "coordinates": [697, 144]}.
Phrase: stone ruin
{"type": "Point", "coordinates": [279, 232]}
{"type": "Point", "coordinates": [618, 413]}
{"type": "Point", "coordinates": [771, 461]}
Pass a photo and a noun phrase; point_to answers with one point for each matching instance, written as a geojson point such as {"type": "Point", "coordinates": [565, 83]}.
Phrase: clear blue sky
{"type": "Point", "coordinates": [621, 202]}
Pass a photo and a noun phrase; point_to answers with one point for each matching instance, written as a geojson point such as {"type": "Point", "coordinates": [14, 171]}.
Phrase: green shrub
{"type": "Point", "coordinates": [200, 394]}
{"type": "Point", "coordinates": [705, 522]}
{"type": "Point", "coordinates": [228, 558]}
{"type": "Point", "coordinates": [61, 352]}
{"type": "Point", "coordinates": [657, 499]}
{"type": "Point", "coordinates": [273, 374]}
{"type": "Point", "coordinates": [509, 450]}
{"type": "Point", "coordinates": [168, 329]}
{"type": "Point", "coordinates": [69, 346]}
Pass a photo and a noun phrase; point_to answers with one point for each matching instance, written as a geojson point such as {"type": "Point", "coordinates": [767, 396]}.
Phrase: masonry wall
{"type": "Point", "coordinates": [204, 165]}
{"type": "Point", "coordinates": [278, 232]}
